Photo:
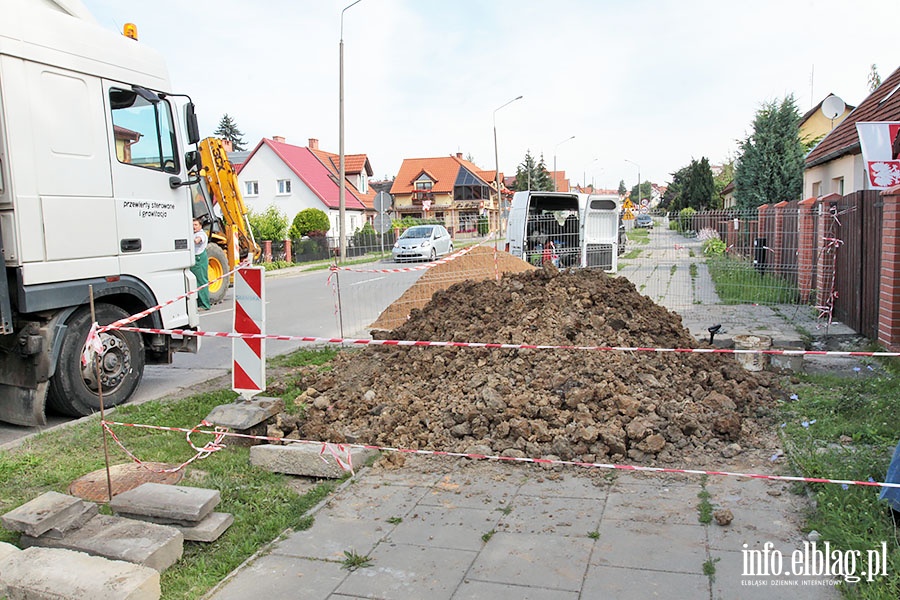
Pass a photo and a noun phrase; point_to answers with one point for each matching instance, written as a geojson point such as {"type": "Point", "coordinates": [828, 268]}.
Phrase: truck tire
{"type": "Point", "coordinates": [218, 266]}
{"type": "Point", "coordinates": [73, 388]}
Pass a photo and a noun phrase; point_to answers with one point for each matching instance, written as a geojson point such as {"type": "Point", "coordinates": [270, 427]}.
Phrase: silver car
{"type": "Point", "coordinates": [422, 242]}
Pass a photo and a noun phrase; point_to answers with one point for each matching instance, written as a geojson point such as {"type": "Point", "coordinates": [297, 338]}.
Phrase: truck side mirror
{"type": "Point", "coordinates": [193, 128]}
{"type": "Point", "coordinates": [192, 160]}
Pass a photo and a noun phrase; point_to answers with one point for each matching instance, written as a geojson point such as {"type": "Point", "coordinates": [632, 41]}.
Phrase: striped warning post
{"type": "Point", "coordinates": [248, 370]}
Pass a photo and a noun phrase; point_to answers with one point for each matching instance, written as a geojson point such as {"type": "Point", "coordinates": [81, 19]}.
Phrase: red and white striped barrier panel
{"type": "Point", "coordinates": [248, 372]}
{"type": "Point", "coordinates": [343, 451]}
{"type": "Point", "coordinates": [426, 343]}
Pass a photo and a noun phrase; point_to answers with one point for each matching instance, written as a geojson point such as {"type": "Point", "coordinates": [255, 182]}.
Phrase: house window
{"type": "Point", "coordinates": [251, 188]}
{"type": "Point", "coordinates": [284, 187]}
{"type": "Point", "coordinates": [837, 185]}
{"type": "Point", "coordinates": [816, 189]}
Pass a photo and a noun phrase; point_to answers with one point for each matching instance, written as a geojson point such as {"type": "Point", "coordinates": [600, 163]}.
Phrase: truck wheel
{"type": "Point", "coordinates": [218, 266]}
{"type": "Point", "coordinates": [73, 388]}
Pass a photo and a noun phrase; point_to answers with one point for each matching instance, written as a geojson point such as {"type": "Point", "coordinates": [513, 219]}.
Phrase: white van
{"type": "Point", "coordinates": [571, 229]}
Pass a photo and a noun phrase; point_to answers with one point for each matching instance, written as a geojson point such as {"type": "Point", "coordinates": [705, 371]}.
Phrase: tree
{"type": "Point", "coordinates": [228, 130]}
{"type": "Point", "coordinates": [532, 175]}
{"type": "Point", "coordinates": [271, 224]}
{"type": "Point", "coordinates": [770, 163]}
{"type": "Point", "coordinates": [700, 190]}
{"type": "Point", "coordinates": [646, 192]}
{"type": "Point", "coordinates": [622, 188]}
{"type": "Point", "coordinates": [309, 221]}
{"type": "Point", "coordinates": [874, 79]}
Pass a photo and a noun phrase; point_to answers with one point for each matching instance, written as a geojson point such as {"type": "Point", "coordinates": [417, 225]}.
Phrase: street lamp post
{"type": "Point", "coordinates": [639, 180]}
{"type": "Point", "coordinates": [554, 159]}
{"type": "Point", "coordinates": [584, 173]}
{"type": "Point", "coordinates": [342, 205]}
{"type": "Point", "coordinates": [500, 203]}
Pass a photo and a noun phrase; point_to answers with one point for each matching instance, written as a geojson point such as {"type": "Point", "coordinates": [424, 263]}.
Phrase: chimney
{"type": "Point", "coordinates": [229, 147]}
{"type": "Point", "coordinates": [278, 138]}
{"type": "Point", "coordinates": [313, 144]}
{"type": "Point", "coordinates": [459, 155]}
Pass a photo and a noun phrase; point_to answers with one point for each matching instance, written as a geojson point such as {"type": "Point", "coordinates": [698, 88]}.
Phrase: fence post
{"type": "Point", "coordinates": [288, 255]}
{"type": "Point", "coordinates": [267, 250]}
{"type": "Point", "coordinates": [806, 247]}
{"type": "Point", "coordinates": [777, 238]}
{"type": "Point", "coordinates": [889, 284]}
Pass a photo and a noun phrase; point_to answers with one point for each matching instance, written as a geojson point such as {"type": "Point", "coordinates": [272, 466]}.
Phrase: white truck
{"type": "Point", "coordinates": [95, 195]}
{"type": "Point", "coordinates": [571, 229]}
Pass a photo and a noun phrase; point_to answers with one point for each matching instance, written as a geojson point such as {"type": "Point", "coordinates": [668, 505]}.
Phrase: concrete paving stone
{"type": "Point", "coordinates": [275, 576]}
{"type": "Point", "coordinates": [593, 484]}
{"type": "Point", "coordinates": [459, 529]}
{"type": "Point", "coordinates": [50, 510]}
{"type": "Point", "coordinates": [52, 573]}
{"type": "Point", "coordinates": [207, 530]}
{"type": "Point", "coordinates": [544, 561]}
{"type": "Point", "coordinates": [745, 491]}
{"type": "Point", "coordinates": [469, 491]}
{"type": "Point", "coordinates": [561, 516]}
{"type": "Point", "coordinates": [731, 583]}
{"type": "Point", "coordinates": [755, 528]}
{"type": "Point", "coordinates": [407, 477]}
{"type": "Point", "coordinates": [308, 460]}
{"type": "Point", "coordinates": [117, 538]}
{"type": "Point", "coordinates": [405, 572]}
{"type": "Point", "coordinates": [7, 549]}
{"type": "Point", "coordinates": [370, 500]}
{"type": "Point", "coordinates": [662, 503]}
{"type": "Point", "coordinates": [244, 414]}
{"type": "Point", "coordinates": [669, 547]}
{"type": "Point", "coordinates": [166, 503]}
{"type": "Point", "coordinates": [480, 590]}
{"type": "Point", "coordinates": [616, 583]}
{"type": "Point", "coordinates": [329, 537]}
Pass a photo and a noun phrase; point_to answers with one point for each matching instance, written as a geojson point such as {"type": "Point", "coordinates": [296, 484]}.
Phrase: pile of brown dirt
{"type": "Point", "coordinates": [585, 405]}
{"type": "Point", "coordinates": [479, 263]}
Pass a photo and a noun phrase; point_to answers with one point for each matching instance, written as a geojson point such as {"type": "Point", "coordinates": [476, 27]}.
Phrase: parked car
{"type": "Point", "coordinates": [422, 242]}
{"type": "Point", "coordinates": [644, 221]}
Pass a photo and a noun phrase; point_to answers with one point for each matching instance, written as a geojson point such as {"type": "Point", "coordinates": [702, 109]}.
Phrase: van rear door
{"type": "Point", "coordinates": [600, 233]}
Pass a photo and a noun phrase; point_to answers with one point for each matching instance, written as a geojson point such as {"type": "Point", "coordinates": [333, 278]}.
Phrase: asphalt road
{"type": "Point", "coordinates": [298, 303]}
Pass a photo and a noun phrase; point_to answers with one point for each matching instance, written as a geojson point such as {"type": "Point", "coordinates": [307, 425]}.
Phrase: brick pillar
{"type": "Point", "coordinates": [825, 265]}
{"type": "Point", "coordinates": [288, 256]}
{"type": "Point", "coordinates": [889, 284]}
{"type": "Point", "coordinates": [267, 251]}
{"type": "Point", "coordinates": [806, 247]}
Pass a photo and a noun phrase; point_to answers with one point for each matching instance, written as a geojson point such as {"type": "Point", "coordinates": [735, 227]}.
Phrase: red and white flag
{"type": "Point", "coordinates": [877, 142]}
{"type": "Point", "coordinates": [93, 346]}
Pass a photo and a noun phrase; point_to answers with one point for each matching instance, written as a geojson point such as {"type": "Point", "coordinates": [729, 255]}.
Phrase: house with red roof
{"type": "Point", "coordinates": [294, 178]}
{"type": "Point", "coordinates": [449, 189]}
{"type": "Point", "coordinates": [835, 165]}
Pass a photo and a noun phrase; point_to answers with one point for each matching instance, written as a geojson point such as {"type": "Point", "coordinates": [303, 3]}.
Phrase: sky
{"type": "Point", "coordinates": [643, 86]}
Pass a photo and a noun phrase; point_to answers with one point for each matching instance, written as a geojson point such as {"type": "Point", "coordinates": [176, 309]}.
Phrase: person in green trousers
{"type": "Point", "coordinates": [201, 266]}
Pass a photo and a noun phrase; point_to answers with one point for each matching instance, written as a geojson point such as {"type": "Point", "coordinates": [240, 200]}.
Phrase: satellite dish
{"type": "Point", "coordinates": [832, 107]}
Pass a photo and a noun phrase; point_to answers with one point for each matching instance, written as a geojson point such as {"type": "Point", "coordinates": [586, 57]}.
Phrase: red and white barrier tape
{"type": "Point", "coordinates": [426, 266]}
{"type": "Point", "coordinates": [201, 453]}
{"type": "Point", "coordinates": [153, 309]}
{"type": "Point", "coordinates": [425, 343]}
{"type": "Point", "coordinates": [344, 449]}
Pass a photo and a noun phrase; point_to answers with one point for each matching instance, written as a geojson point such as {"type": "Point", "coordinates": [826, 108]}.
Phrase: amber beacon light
{"type": "Point", "coordinates": [130, 31]}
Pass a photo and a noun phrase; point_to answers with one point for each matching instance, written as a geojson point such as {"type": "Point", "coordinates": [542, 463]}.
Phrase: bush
{"type": "Point", "coordinates": [686, 219]}
{"type": "Point", "coordinates": [308, 221]}
{"type": "Point", "coordinates": [271, 224]}
{"type": "Point", "coordinates": [714, 247]}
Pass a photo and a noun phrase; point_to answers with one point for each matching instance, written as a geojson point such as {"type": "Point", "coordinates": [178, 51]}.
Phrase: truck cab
{"type": "Point", "coordinates": [94, 162]}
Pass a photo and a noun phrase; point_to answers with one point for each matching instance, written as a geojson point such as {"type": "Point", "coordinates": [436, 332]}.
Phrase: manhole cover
{"type": "Point", "coordinates": [124, 477]}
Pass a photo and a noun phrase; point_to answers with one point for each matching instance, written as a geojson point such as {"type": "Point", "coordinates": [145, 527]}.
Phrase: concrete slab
{"type": "Point", "coordinates": [669, 547]}
{"type": "Point", "coordinates": [593, 485]}
{"type": "Point", "coordinates": [307, 460]}
{"type": "Point", "coordinates": [403, 572]}
{"type": "Point", "coordinates": [543, 561]}
{"type": "Point", "coordinates": [207, 530]}
{"type": "Point", "coordinates": [7, 549]}
{"type": "Point", "coordinates": [49, 511]}
{"type": "Point", "coordinates": [330, 542]}
{"type": "Point", "coordinates": [564, 516]}
{"type": "Point", "coordinates": [244, 414]}
{"type": "Point", "coordinates": [371, 501]}
{"type": "Point", "coordinates": [730, 582]}
{"type": "Point", "coordinates": [460, 529]}
{"type": "Point", "coordinates": [755, 527]}
{"type": "Point", "coordinates": [278, 576]}
{"type": "Point", "coordinates": [640, 584]}
{"type": "Point", "coordinates": [117, 538]}
{"type": "Point", "coordinates": [660, 503]}
{"type": "Point", "coordinates": [55, 574]}
{"type": "Point", "coordinates": [166, 503]}
{"type": "Point", "coordinates": [470, 589]}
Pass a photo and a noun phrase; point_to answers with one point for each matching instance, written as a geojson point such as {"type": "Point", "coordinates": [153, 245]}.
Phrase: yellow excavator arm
{"type": "Point", "coordinates": [224, 189]}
